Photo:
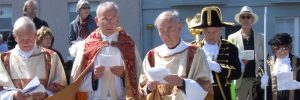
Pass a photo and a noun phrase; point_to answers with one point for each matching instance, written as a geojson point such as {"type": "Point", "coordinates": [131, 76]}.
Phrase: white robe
{"type": "Point", "coordinates": [110, 85]}
{"type": "Point", "coordinates": [176, 60]}
{"type": "Point", "coordinates": [27, 65]}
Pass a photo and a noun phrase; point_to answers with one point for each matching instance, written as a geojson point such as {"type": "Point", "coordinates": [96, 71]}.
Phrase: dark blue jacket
{"type": "Point", "coordinates": [75, 27]}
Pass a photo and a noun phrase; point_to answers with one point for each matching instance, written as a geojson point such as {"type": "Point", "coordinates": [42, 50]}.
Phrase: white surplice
{"type": "Point", "coordinates": [110, 86]}
{"type": "Point", "coordinates": [176, 61]}
{"type": "Point", "coordinates": [26, 65]}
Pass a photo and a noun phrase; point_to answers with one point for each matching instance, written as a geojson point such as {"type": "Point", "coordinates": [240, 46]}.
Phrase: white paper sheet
{"type": "Point", "coordinates": [158, 74]}
{"type": "Point", "coordinates": [285, 81]}
{"type": "Point", "coordinates": [109, 60]}
{"type": "Point", "coordinates": [247, 54]}
{"type": "Point", "coordinates": [34, 86]}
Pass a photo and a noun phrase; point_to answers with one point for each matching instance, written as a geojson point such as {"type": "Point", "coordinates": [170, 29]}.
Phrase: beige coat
{"type": "Point", "coordinates": [236, 39]}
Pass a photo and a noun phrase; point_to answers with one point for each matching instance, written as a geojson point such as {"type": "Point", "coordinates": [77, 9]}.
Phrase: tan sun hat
{"type": "Point", "coordinates": [248, 10]}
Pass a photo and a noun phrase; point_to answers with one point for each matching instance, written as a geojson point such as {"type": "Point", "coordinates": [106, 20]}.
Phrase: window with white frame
{"type": "Point", "coordinates": [290, 25]}
{"type": "Point", "coordinates": [72, 9]}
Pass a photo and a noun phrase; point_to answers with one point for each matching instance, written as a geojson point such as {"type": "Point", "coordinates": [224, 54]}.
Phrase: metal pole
{"type": "Point", "coordinates": [265, 50]}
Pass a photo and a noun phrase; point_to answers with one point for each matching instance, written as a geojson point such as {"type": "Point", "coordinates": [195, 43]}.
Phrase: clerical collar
{"type": "Point", "coordinates": [110, 38]}
{"type": "Point", "coordinates": [164, 51]}
{"type": "Point", "coordinates": [23, 54]}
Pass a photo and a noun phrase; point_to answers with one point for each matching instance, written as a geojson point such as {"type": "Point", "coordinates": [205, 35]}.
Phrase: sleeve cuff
{"type": "Point", "coordinates": [49, 93]}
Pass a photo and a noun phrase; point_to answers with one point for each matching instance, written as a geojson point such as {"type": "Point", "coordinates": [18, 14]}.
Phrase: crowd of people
{"type": "Point", "coordinates": [106, 64]}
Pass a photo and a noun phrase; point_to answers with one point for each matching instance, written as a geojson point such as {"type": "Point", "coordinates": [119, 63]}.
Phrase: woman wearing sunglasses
{"type": "Point", "coordinates": [283, 75]}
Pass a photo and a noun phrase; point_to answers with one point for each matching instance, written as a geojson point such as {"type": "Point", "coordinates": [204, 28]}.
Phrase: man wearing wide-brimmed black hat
{"type": "Point", "coordinates": [282, 63]}
{"type": "Point", "coordinates": [222, 56]}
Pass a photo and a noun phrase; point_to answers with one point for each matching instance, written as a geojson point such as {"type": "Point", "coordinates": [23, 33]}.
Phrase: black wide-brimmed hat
{"type": "Point", "coordinates": [212, 17]}
{"type": "Point", "coordinates": [281, 39]}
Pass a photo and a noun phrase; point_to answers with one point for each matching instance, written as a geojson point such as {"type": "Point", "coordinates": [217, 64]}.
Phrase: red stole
{"type": "Point", "coordinates": [93, 45]}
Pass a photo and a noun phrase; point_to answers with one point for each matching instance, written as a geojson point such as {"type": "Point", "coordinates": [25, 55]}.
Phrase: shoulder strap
{"type": "Point", "coordinates": [47, 54]}
{"type": "Point", "coordinates": [191, 53]}
{"type": "Point", "coordinates": [151, 58]}
{"type": "Point", "coordinates": [5, 59]}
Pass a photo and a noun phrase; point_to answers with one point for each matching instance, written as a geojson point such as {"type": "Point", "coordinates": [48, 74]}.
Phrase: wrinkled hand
{"type": "Point", "coordinates": [98, 72]}
{"type": "Point", "coordinates": [264, 81]}
{"type": "Point", "coordinates": [20, 96]}
{"type": "Point", "coordinates": [152, 85]}
{"type": "Point", "coordinates": [174, 80]}
{"type": "Point", "coordinates": [117, 70]}
{"type": "Point", "coordinates": [245, 61]}
{"type": "Point", "coordinates": [39, 95]}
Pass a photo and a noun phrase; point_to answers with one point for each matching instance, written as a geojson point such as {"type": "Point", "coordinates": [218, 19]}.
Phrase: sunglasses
{"type": "Point", "coordinates": [86, 8]}
{"type": "Point", "coordinates": [245, 17]}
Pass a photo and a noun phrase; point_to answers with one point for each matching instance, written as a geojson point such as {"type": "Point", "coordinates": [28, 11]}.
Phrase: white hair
{"type": "Point", "coordinates": [107, 5]}
{"type": "Point", "coordinates": [29, 2]}
{"type": "Point", "coordinates": [23, 23]}
{"type": "Point", "coordinates": [80, 3]}
{"type": "Point", "coordinates": [169, 13]}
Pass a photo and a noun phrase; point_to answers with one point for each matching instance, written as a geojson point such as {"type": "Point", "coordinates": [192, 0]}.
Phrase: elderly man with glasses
{"type": "Point", "coordinates": [111, 58]}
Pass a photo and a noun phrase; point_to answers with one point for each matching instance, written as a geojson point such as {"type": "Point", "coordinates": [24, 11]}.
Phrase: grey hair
{"type": "Point", "coordinates": [29, 2]}
{"type": "Point", "coordinates": [106, 5]}
{"type": "Point", "coordinates": [23, 23]}
{"type": "Point", "coordinates": [170, 13]}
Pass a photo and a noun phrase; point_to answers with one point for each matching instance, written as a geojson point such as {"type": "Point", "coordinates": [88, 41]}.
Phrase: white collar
{"type": "Point", "coordinates": [23, 54]}
{"type": "Point", "coordinates": [284, 59]}
{"type": "Point", "coordinates": [110, 38]}
{"type": "Point", "coordinates": [210, 45]}
{"type": "Point", "coordinates": [163, 50]}
{"type": "Point", "coordinates": [282, 65]}
{"type": "Point", "coordinates": [211, 50]}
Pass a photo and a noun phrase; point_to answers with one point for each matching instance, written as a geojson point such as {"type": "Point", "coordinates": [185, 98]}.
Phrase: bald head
{"type": "Point", "coordinates": [29, 8]}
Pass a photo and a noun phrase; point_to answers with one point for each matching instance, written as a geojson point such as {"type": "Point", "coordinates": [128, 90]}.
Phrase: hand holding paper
{"type": "Point", "coordinates": [117, 70]}
{"type": "Point", "coordinates": [39, 95]}
{"type": "Point", "coordinates": [34, 86]}
{"type": "Point", "coordinates": [20, 96]}
{"type": "Point", "coordinates": [285, 81]}
{"type": "Point", "coordinates": [98, 72]}
{"type": "Point", "coordinates": [152, 85]}
{"type": "Point", "coordinates": [174, 80]}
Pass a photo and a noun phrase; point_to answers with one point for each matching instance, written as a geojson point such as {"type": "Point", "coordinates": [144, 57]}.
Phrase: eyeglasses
{"type": "Point", "coordinates": [245, 17]}
{"type": "Point", "coordinates": [86, 8]}
{"type": "Point", "coordinates": [281, 48]}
